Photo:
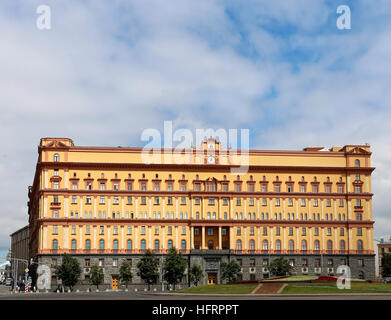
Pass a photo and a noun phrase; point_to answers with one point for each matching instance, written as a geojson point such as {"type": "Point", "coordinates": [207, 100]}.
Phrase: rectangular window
{"type": "Point", "coordinates": [169, 230]}
{"type": "Point", "coordinates": [237, 187]}
{"type": "Point", "coordinates": [102, 187]}
{"type": "Point", "coordinates": [102, 200]}
{"type": "Point", "coordinates": [329, 231]}
{"type": "Point", "coordinates": [225, 201]}
{"type": "Point", "coordinates": [156, 200]}
{"type": "Point", "coordinates": [142, 232]}
{"type": "Point", "coordinates": [316, 231]}
{"type": "Point", "coordinates": [116, 200]}
{"type": "Point", "coordinates": [130, 186]}
{"type": "Point", "coordinates": [238, 231]}
{"type": "Point", "coordinates": [183, 200]}
{"type": "Point", "coordinates": [225, 187]}
{"type": "Point", "coordinates": [291, 231]}
{"type": "Point", "coordinates": [183, 230]}
{"type": "Point", "coordinates": [264, 231]}
{"type": "Point", "coordinates": [277, 202]}
{"type": "Point", "coordinates": [130, 200]}
{"type": "Point", "coordinates": [316, 189]}
{"type": "Point", "coordinates": [101, 230]}
{"type": "Point", "coordinates": [341, 204]}
{"type": "Point", "coordinates": [143, 187]}
{"type": "Point", "coordinates": [143, 200]}
{"type": "Point", "coordinates": [211, 201]}
{"type": "Point", "coordinates": [238, 201]}
{"type": "Point", "coordinates": [290, 202]}
{"type": "Point", "coordinates": [197, 201]}
{"type": "Point", "coordinates": [55, 230]}
{"type": "Point", "coordinates": [328, 189]}
{"type": "Point", "coordinates": [277, 188]}
{"type": "Point", "coordinates": [115, 230]}
{"type": "Point", "coordinates": [359, 231]}
{"type": "Point", "coordinates": [264, 201]}
{"type": "Point", "coordinates": [156, 187]}
{"type": "Point", "coordinates": [316, 202]}
{"type": "Point", "coordinates": [340, 189]}
{"type": "Point", "coordinates": [264, 188]}
{"type": "Point", "coordinates": [74, 185]}
{"type": "Point", "coordinates": [129, 230]}
{"type": "Point", "coordinates": [251, 202]}
{"type": "Point", "coordinates": [251, 187]}
{"type": "Point", "coordinates": [303, 202]}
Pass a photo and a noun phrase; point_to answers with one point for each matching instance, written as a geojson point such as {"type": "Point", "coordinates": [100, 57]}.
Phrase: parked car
{"type": "Point", "coordinates": [387, 280]}
{"type": "Point", "coordinates": [8, 282]}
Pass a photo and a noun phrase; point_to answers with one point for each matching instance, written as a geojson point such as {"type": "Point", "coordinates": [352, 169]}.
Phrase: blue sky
{"type": "Point", "coordinates": [107, 70]}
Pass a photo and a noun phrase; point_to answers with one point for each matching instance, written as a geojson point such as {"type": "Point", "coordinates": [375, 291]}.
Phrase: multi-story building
{"type": "Point", "coordinates": [383, 246]}
{"type": "Point", "coordinates": [106, 204]}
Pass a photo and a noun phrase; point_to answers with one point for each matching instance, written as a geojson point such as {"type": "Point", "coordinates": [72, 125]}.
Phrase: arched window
{"type": "Point", "coordinates": [253, 215]}
{"type": "Point", "coordinates": [115, 244]}
{"type": "Point", "coordinates": [249, 216]}
{"type": "Point", "coordinates": [317, 245]}
{"type": "Point", "coordinates": [55, 244]}
{"type": "Point", "coordinates": [183, 244]}
{"type": "Point", "coordinates": [252, 244]}
{"type": "Point", "coordinates": [262, 216]}
{"type": "Point", "coordinates": [357, 163]}
{"type": "Point", "coordinates": [56, 157]}
{"type": "Point", "coordinates": [143, 244]}
{"type": "Point", "coordinates": [157, 244]}
{"type": "Point", "coordinates": [101, 244]}
{"type": "Point", "coordinates": [304, 245]}
{"type": "Point", "coordinates": [359, 245]}
{"type": "Point", "coordinates": [278, 245]}
{"type": "Point", "coordinates": [238, 244]}
{"type": "Point", "coordinates": [73, 244]}
{"type": "Point", "coordinates": [342, 245]}
{"type": "Point", "coordinates": [169, 244]}
{"type": "Point", "coordinates": [129, 244]}
{"type": "Point", "coordinates": [329, 245]}
{"type": "Point", "coordinates": [265, 245]}
{"type": "Point", "coordinates": [291, 245]}
{"type": "Point", "coordinates": [88, 244]}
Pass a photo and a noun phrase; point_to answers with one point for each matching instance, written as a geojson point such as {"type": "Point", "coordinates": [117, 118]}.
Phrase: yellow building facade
{"type": "Point", "coordinates": [312, 206]}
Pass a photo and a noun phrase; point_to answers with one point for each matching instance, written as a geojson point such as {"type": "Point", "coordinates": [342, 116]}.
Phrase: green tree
{"type": "Point", "coordinates": [69, 271]}
{"type": "Point", "coordinates": [148, 268]}
{"type": "Point", "coordinates": [230, 271]}
{"type": "Point", "coordinates": [386, 264]}
{"type": "Point", "coordinates": [196, 274]}
{"type": "Point", "coordinates": [125, 272]}
{"type": "Point", "coordinates": [96, 276]}
{"type": "Point", "coordinates": [280, 267]}
{"type": "Point", "coordinates": [174, 267]}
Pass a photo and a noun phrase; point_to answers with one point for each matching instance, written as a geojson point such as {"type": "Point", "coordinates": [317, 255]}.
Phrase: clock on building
{"type": "Point", "coordinates": [211, 159]}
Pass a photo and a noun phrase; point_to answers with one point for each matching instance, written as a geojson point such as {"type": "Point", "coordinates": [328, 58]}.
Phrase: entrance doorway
{"type": "Point", "coordinates": [212, 278]}
{"type": "Point", "coordinates": [114, 282]}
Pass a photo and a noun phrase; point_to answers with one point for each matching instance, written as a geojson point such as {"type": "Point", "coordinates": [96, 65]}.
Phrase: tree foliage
{"type": "Point", "coordinates": [386, 264]}
{"type": "Point", "coordinates": [230, 271]}
{"type": "Point", "coordinates": [174, 267]}
{"type": "Point", "coordinates": [125, 272]}
{"type": "Point", "coordinates": [96, 276]}
{"type": "Point", "coordinates": [148, 268]}
{"type": "Point", "coordinates": [196, 274]}
{"type": "Point", "coordinates": [69, 271]}
{"type": "Point", "coordinates": [280, 267]}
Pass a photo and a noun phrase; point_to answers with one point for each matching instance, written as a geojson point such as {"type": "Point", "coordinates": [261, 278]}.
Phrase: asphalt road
{"type": "Point", "coordinates": [5, 294]}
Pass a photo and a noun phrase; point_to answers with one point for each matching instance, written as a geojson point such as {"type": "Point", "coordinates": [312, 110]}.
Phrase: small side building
{"type": "Point", "coordinates": [20, 250]}
{"type": "Point", "coordinates": [383, 246]}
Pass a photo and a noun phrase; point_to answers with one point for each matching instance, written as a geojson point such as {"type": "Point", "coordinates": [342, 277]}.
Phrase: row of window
{"type": "Point", "coordinates": [211, 201]}
{"type": "Point", "coordinates": [209, 215]}
{"type": "Point", "coordinates": [265, 245]}
{"type": "Point", "coordinates": [213, 187]}
{"type": "Point", "coordinates": [291, 245]}
{"type": "Point", "coordinates": [143, 244]}
{"type": "Point", "coordinates": [210, 231]}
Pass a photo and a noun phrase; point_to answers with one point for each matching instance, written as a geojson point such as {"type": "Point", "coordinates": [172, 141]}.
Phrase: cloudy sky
{"type": "Point", "coordinates": [107, 70]}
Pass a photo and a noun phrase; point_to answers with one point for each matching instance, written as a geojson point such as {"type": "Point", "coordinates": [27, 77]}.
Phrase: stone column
{"type": "Point", "coordinates": [203, 238]}
{"type": "Point", "coordinates": [191, 237]}
{"type": "Point", "coordinates": [220, 239]}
